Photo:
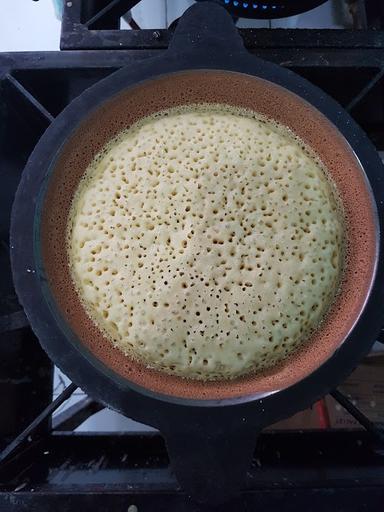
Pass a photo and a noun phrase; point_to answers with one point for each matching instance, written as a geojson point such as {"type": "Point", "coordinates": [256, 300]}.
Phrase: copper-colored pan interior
{"type": "Point", "coordinates": [244, 91]}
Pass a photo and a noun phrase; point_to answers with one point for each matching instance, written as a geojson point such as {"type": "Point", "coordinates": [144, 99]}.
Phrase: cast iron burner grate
{"type": "Point", "coordinates": [49, 466]}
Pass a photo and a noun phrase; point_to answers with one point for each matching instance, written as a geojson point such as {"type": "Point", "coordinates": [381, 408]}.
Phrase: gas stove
{"type": "Point", "coordinates": [50, 460]}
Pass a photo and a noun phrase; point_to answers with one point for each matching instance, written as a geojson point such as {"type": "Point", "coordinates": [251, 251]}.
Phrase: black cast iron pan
{"type": "Point", "coordinates": [210, 441]}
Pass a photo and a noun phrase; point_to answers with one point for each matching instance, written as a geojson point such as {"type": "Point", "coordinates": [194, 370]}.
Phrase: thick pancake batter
{"type": "Point", "coordinates": [206, 242]}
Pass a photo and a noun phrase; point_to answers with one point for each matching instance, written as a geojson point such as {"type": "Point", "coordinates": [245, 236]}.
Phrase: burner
{"type": "Point", "coordinates": [267, 9]}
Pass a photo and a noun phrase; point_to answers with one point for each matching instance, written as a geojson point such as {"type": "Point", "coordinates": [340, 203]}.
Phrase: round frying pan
{"type": "Point", "coordinates": [210, 428]}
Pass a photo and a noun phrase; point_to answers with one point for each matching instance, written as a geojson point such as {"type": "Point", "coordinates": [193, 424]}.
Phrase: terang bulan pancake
{"type": "Point", "coordinates": [206, 242]}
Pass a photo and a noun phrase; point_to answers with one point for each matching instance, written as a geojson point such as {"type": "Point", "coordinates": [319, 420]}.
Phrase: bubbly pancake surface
{"type": "Point", "coordinates": [206, 242]}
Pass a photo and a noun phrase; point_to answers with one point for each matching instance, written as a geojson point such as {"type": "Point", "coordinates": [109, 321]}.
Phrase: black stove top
{"type": "Point", "coordinates": [51, 467]}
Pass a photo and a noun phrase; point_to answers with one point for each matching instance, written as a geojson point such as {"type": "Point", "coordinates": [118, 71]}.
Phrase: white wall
{"type": "Point", "coordinates": [28, 25]}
